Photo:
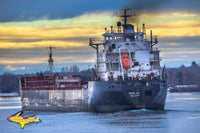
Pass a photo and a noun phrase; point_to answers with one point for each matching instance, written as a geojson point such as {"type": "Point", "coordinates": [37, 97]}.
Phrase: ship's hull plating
{"type": "Point", "coordinates": [53, 100]}
{"type": "Point", "coordinates": [108, 96]}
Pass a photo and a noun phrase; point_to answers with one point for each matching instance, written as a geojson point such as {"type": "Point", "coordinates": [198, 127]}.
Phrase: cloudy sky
{"type": "Point", "coordinates": [27, 27]}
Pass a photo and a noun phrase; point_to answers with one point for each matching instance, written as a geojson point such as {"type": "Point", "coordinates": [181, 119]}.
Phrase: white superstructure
{"type": "Point", "coordinates": [142, 61]}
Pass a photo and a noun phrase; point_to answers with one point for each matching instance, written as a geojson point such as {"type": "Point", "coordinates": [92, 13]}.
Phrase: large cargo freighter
{"type": "Point", "coordinates": [127, 76]}
{"type": "Point", "coordinates": [128, 72]}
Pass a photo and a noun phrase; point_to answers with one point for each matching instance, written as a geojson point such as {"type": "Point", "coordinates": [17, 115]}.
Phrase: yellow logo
{"type": "Point", "coordinates": [23, 120]}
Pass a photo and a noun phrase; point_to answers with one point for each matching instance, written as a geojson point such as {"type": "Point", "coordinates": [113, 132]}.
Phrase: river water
{"type": "Point", "coordinates": [181, 115]}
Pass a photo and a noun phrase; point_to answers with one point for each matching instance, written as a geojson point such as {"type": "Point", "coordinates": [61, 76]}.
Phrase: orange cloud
{"type": "Point", "coordinates": [64, 44]}
{"type": "Point", "coordinates": [23, 37]}
{"type": "Point", "coordinates": [49, 32]}
{"type": "Point", "coordinates": [22, 61]}
{"type": "Point", "coordinates": [172, 14]}
{"type": "Point", "coordinates": [176, 32]}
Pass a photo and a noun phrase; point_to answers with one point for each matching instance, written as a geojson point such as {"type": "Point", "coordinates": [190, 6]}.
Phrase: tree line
{"type": "Point", "coordinates": [9, 83]}
{"type": "Point", "coordinates": [184, 75]}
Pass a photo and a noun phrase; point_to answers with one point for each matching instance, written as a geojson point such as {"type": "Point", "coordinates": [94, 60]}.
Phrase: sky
{"type": "Point", "coordinates": [28, 27]}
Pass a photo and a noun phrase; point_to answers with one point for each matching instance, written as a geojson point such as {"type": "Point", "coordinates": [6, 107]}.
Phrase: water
{"type": "Point", "coordinates": [181, 115]}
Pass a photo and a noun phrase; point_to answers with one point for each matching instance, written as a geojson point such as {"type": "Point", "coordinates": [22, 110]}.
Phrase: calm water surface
{"type": "Point", "coordinates": [181, 115]}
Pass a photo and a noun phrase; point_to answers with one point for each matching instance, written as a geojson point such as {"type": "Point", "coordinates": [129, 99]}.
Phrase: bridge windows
{"type": "Point", "coordinates": [107, 38]}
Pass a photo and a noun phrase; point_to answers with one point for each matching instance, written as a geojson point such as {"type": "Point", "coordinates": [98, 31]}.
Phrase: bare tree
{"type": "Point", "coordinates": [74, 68]}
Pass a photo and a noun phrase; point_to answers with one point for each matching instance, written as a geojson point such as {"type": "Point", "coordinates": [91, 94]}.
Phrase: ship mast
{"type": "Point", "coordinates": [125, 16]}
{"type": "Point", "coordinates": [50, 67]}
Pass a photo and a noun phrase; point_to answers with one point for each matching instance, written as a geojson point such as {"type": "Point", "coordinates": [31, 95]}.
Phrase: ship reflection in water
{"type": "Point", "coordinates": [181, 115]}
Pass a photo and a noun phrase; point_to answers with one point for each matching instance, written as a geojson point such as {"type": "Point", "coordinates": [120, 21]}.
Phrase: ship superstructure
{"type": "Point", "coordinates": [128, 69]}
{"type": "Point", "coordinates": [128, 53]}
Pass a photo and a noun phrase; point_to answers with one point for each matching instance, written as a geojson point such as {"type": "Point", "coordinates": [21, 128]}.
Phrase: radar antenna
{"type": "Point", "coordinates": [125, 16]}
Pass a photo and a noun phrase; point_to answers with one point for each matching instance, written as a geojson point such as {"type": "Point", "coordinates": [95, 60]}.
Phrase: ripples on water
{"type": "Point", "coordinates": [181, 115]}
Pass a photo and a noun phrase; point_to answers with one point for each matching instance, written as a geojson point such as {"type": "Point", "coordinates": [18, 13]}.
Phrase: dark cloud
{"type": "Point", "coordinates": [42, 52]}
{"type": "Point", "coordinates": [28, 10]}
{"type": "Point", "coordinates": [183, 51]}
{"type": "Point", "coordinates": [192, 43]}
{"type": "Point", "coordinates": [164, 6]}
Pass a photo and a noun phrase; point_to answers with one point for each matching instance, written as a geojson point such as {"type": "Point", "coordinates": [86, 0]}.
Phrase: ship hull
{"type": "Point", "coordinates": [53, 93]}
{"type": "Point", "coordinates": [109, 96]}
{"type": "Point", "coordinates": [53, 100]}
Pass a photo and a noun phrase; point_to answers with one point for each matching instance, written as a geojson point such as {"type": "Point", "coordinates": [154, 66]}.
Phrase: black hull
{"type": "Point", "coordinates": [109, 96]}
